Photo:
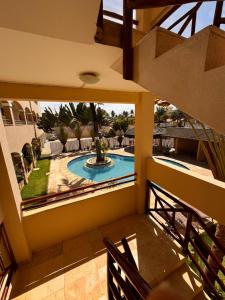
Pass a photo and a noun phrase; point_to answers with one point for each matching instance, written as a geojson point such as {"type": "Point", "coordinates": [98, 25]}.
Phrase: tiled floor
{"type": "Point", "coordinates": [76, 268]}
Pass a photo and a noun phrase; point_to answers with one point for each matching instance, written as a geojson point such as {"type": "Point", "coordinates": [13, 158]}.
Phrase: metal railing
{"type": "Point", "coordinates": [75, 192]}
{"type": "Point", "coordinates": [123, 278]}
{"type": "Point", "coordinates": [193, 231]}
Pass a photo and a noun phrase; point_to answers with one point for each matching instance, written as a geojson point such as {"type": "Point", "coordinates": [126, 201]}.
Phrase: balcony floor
{"type": "Point", "coordinates": [76, 268]}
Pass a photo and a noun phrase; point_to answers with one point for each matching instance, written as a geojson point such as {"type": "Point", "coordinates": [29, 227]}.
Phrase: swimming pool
{"type": "Point", "coordinates": [122, 165]}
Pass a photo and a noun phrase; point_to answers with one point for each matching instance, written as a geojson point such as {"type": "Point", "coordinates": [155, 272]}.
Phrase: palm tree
{"type": "Point", "coordinates": [160, 114]}
{"type": "Point", "coordinates": [100, 155]}
{"type": "Point", "coordinates": [78, 133]}
{"type": "Point", "coordinates": [62, 136]}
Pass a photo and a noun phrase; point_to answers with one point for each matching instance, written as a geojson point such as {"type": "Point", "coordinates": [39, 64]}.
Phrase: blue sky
{"type": "Point", "coordinates": [205, 18]}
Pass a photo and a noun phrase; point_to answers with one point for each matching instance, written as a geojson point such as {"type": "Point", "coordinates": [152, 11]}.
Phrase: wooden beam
{"type": "Point", "coordinates": [141, 4]}
{"type": "Point", "coordinates": [218, 14]}
{"type": "Point", "coordinates": [127, 41]}
{"type": "Point", "coordinates": [60, 93]}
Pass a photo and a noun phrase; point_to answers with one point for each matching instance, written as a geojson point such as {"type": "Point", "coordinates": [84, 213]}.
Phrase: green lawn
{"type": "Point", "coordinates": [38, 180]}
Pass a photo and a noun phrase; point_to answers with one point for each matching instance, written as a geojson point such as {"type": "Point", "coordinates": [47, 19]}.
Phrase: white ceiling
{"type": "Point", "coordinates": [64, 19]}
{"type": "Point", "coordinates": [52, 41]}
{"type": "Point", "coordinates": [32, 58]}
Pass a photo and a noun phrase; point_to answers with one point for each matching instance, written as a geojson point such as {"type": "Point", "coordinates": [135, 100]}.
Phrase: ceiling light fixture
{"type": "Point", "coordinates": [89, 77]}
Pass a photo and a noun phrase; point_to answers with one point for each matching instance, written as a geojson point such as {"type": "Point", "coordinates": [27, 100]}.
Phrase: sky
{"type": "Point", "coordinates": [205, 17]}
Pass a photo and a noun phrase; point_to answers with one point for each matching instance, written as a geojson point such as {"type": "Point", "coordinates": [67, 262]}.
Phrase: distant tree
{"type": "Point", "coordinates": [160, 114]}
{"type": "Point", "coordinates": [78, 134]}
{"type": "Point", "coordinates": [36, 146]}
{"type": "Point", "coordinates": [113, 114]}
{"type": "Point", "coordinates": [110, 134]}
{"type": "Point", "coordinates": [120, 123]}
{"type": "Point", "coordinates": [27, 155]}
{"type": "Point", "coordinates": [48, 120]}
{"type": "Point", "coordinates": [179, 117]}
{"type": "Point", "coordinates": [102, 117]}
{"type": "Point", "coordinates": [62, 136]}
{"type": "Point", "coordinates": [120, 140]}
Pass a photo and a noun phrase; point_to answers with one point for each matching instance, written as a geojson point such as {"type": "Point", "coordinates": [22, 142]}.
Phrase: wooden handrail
{"type": "Point", "coordinates": [114, 15]}
{"type": "Point", "coordinates": [139, 284]}
{"type": "Point", "coordinates": [142, 4]}
{"type": "Point", "coordinates": [69, 193]}
{"type": "Point", "coordinates": [191, 235]}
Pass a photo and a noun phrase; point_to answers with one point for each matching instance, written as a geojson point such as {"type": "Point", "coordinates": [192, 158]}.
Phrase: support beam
{"type": "Point", "coordinates": [127, 41]}
{"type": "Point", "coordinates": [141, 4]}
{"type": "Point", "coordinates": [144, 123]}
{"type": "Point", "coordinates": [60, 93]}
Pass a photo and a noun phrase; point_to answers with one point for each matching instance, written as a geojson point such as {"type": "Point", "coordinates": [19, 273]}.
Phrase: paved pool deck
{"type": "Point", "coordinates": [61, 179]}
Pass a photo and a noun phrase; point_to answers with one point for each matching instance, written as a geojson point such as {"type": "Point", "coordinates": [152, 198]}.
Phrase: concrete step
{"type": "Point", "coordinates": [185, 281]}
{"type": "Point", "coordinates": [155, 253]}
{"type": "Point", "coordinates": [202, 296]}
{"type": "Point", "coordinates": [186, 73]}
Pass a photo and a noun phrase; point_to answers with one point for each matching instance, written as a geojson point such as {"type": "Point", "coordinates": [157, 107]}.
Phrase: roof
{"type": "Point", "coordinates": [175, 132]}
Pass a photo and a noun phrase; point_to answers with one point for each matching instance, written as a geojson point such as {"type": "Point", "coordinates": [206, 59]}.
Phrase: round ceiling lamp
{"type": "Point", "coordinates": [89, 77]}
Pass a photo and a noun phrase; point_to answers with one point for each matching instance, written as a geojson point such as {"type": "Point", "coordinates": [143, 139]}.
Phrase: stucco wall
{"type": "Point", "coordinates": [202, 192]}
{"type": "Point", "coordinates": [17, 136]}
{"type": "Point", "coordinates": [46, 227]}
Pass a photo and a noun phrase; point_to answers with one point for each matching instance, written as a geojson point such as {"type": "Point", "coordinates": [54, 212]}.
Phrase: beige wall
{"type": "Point", "coordinates": [18, 135]}
{"type": "Point", "coordinates": [10, 201]}
{"type": "Point", "coordinates": [202, 192]}
{"type": "Point", "coordinates": [53, 225]}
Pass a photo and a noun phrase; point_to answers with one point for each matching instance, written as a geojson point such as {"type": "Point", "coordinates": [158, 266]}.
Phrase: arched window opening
{"type": "Point", "coordinates": [18, 113]}
{"type": "Point", "coordinates": [6, 113]}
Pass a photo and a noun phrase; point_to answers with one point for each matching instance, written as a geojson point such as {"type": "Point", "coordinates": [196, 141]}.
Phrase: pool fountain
{"type": "Point", "coordinates": [94, 163]}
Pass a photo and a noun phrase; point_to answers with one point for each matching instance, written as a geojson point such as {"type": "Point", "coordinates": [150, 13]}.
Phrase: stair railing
{"type": "Point", "coordinates": [194, 231]}
{"type": "Point", "coordinates": [123, 278]}
{"type": "Point", "coordinates": [189, 17]}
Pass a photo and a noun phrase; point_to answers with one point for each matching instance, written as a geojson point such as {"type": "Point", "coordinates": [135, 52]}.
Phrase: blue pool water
{"type": "Point", "coordinates": [123, 165]}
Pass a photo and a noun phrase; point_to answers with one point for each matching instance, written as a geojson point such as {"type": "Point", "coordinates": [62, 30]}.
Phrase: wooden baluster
{"type": "Point", "coordinates": [109, 276]}
{"type": "Point", "coordinates": [187, 233]}
{"type": "Point", "coordinates": [218, 14]}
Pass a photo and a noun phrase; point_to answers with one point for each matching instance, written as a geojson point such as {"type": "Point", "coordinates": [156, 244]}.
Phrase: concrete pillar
{"type": "Point", "coordinates": [144, 125]}
{"type": "Point", "coordinates": [10, 199]}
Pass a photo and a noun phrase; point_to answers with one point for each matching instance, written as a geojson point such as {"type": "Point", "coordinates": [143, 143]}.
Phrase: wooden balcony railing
{"type": "Point", "coordinates": [123, 278]}
{"type": "Point", "coordinates": [75, 192]}
{"type": "Point", "coordinates": [191, 229]}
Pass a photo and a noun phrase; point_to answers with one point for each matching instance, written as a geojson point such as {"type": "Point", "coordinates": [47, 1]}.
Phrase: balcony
{"type": "Point", "coordinates": [76, 268]}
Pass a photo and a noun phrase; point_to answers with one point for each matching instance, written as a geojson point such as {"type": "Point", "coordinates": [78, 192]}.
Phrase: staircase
{"type": "Point", "coordinates": [159, 259]}
{"type": "Point", "coordinates": [189, 73]}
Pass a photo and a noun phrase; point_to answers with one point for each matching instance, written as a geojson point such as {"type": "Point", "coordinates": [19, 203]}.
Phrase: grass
{"type": "Point", "coordinates": [38, 180]}
{"type": "Point", "coordinates": [207, 240]}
